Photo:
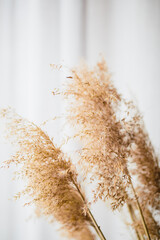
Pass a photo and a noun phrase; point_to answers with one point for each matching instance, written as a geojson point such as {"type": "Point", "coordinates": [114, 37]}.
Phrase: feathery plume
{"type": "Point", "coordinates": [92, 112]}
{"type": "Point", "coordinates": [49, 177]}
{"type": "Point", "coordinates": [111, 142]}
{"type": "Point", "coordinates": [144, 166]}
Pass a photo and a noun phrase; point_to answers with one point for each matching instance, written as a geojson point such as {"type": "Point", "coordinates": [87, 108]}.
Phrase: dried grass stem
{"type": "Point", "coordinates": [131, 212]}
{"type": "Point", "coordinates": [96, 227]}
{"type": "Point", "coordinates": [140, 212]}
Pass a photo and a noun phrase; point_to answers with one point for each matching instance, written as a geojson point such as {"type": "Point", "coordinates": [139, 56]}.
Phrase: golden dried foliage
{"type": "Point", "coordinates": [146, 169]}
{"type": "Point", "coordinates": [111, 142]}
{"type": "Point", "coordinates": [92, 112]}
{"type": "Point", "coordinates": [49, 177]}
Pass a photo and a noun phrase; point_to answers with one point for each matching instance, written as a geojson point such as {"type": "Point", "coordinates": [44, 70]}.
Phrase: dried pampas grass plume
{"type": "Point", "coordinates": [49, 177]}
{"type": "Point", "coordinates": [111, 142]}
{"type": "Point", "coordinates": [94, 101]}
{"type": "Point", "coordinates": [145, 167]}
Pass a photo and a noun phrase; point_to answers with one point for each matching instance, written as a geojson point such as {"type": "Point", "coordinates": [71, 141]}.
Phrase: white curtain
{"type": "Point", "coordinates": [35, 33]}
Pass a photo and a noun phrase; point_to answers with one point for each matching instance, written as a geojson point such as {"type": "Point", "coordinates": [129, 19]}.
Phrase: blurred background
{"type": "Point", "coordinates": [37, 33]}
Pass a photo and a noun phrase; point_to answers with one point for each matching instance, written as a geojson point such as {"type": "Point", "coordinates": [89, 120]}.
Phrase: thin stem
{"type": "Point", "coordinates": [131, 212]}
{"type": "Point", "coordinates": [141, 213]}
{"type": "Point", "coordinates": [97, 228]}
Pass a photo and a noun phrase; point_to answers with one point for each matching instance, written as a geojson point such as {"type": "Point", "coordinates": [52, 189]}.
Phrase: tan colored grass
{"type": "Point", "coordinates": [112, 142]}
{"type": "Point", "coordinates": [94, 101]}
{"type": "Point", "coordinates": [146, 170]}
{"type": "Point", "coordinates": [48, 175]}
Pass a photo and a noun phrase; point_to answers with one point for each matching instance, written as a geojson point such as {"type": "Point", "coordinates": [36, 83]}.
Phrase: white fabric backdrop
{"type": "Point", "coordinates": [35, 33]}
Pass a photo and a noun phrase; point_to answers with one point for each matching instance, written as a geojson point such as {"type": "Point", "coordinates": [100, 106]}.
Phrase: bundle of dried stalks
{"type": "Point", "coordinates": [51, 180]}
{"type": "Point", "coordinates": [116, 149]}
{"type": "Point", "coordinates": [111, 142]}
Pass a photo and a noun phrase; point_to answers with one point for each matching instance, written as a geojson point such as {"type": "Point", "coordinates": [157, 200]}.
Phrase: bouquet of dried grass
{"type": "Point", "coordinates": [115, 150]}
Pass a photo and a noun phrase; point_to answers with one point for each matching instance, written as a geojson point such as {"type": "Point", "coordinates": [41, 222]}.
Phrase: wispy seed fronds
{"type": "Point", "coordinates": [113, 141]}
{"type": "Point", "coordinates": [145, 167]}
{"type": "Point", "coordinates": [48, 175]}
{"type": "Point", "coordinates": [94, 101]}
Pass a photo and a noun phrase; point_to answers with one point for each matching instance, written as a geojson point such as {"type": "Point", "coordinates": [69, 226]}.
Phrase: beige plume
{"type": "Point", "coordinates": [49, 177]}
{"type": "Point", "coordinates": [112, 142]}
{"type": "Point", "coordinates": [94, 101]}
